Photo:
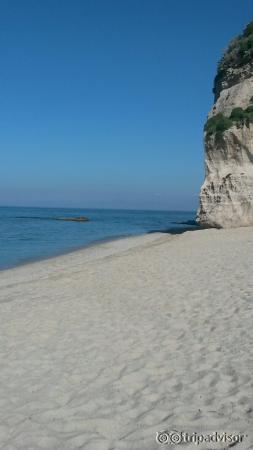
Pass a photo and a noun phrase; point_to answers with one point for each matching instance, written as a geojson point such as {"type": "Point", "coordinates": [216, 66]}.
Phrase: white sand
{"type": "Point", "coordinates": [103, 347]}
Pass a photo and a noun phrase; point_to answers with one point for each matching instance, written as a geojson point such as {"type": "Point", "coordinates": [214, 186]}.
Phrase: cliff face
{"type": "Point", "coordinates": [226, 197]}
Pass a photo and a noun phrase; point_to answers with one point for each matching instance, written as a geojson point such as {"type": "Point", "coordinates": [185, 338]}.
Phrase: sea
{"type": "Point", "coordinates": [31, 234]}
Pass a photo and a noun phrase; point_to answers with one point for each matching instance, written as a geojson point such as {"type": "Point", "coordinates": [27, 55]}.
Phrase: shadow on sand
{"type": "Point", "coordinates": [182, 227]}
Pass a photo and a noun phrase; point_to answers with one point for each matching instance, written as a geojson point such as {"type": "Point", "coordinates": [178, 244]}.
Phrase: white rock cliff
{"type": "Point", "coordinates": [226, 197]}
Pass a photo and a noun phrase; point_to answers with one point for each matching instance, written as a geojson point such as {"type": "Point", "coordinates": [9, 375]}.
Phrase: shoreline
{"type": "Point", "coordinates": [91, 252]}
{"type": "Point", "coordinates": [170, 231]}
{"type": "Point", "coordinates": [66, 252]}
{"type": "Point", "coordinates": [104, 347]}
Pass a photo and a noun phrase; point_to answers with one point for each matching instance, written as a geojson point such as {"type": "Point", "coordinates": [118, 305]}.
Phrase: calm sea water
{"type": "Point", "coordinates": [29, 234]}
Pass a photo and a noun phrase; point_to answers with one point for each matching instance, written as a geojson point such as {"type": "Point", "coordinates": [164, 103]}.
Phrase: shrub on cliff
{"type": "Point", "coordinates": [239, 51]}
{"type": "Point", "coordinates": [217, 124]}
{"type": "Point", "coordinates": [238, 54]}
{"type": "Point", "coordinates": [248, 31]}
{"type": "Point", "coordinates": [237, 114]}
{"type": "Point", "coordinates": [249, 109]}
{"type": "Point", "coordinates": [220, 123]}
{"type": "Point", "coordinates": [242, 116]}
{"type": "Point", "coordinates": [249, 114]}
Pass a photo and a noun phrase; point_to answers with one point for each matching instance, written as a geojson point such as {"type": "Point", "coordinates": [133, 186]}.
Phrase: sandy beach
{"type": "Point", "coordinates": [104, 347]}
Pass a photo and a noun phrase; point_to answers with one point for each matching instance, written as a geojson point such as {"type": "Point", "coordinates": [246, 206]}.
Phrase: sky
{"type": "Point", "coordinates": [103, 102]}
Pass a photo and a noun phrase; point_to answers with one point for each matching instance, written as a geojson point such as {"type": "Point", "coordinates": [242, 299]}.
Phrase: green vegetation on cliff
{"type": "Point", "coordinates": [217, 124]}
{"type": "Point", "coordinates": [240, 50]}
{"type": "Point", "coordinates": [238, 54]}
{"type": "Point", "coordinates": [220, 123]}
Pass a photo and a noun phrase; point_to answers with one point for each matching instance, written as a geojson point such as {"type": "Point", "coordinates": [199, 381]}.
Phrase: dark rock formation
{"type": "Point", "coordinates": [74, 219]}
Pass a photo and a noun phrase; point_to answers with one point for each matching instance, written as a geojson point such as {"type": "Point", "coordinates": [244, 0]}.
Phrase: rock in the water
{"type": "Point", "coordinates": [74, 219]}
{"type": "Point", "coordinates": [226, 197]}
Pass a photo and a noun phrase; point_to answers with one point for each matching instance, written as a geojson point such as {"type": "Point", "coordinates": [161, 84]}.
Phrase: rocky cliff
{"type": "Point", "coordinates": [226, 197]}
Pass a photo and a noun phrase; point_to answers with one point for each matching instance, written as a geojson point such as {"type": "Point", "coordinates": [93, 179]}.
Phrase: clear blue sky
{"type": "Point", "coordinates": [103, 101]}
